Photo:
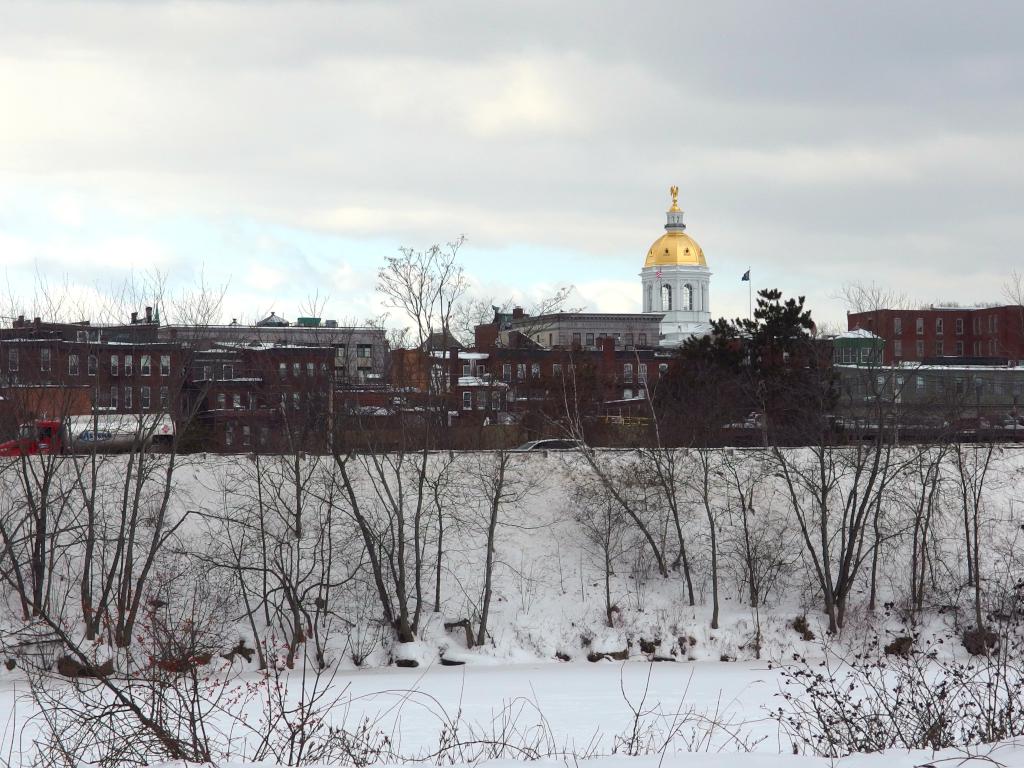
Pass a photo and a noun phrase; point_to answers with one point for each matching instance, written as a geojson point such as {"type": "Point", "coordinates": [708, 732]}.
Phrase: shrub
{"type": "Point", "coordinates": [912, 701]}
{"type": "Point", "coordinates": [800, 625]}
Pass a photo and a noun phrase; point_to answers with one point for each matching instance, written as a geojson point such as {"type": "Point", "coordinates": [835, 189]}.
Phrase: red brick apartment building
{"type": "Point", "coordinates": [993, 334]}
{"type": "Point", "coordinates": [223, 396]}
{"type": "Point", "coordinates": [530, 384]}
{"type": "Point", "coordinates": [67, 369]}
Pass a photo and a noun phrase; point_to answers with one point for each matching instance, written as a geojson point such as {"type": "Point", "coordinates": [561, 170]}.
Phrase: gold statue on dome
{"type": "Point", "coordinates": [674, 191]}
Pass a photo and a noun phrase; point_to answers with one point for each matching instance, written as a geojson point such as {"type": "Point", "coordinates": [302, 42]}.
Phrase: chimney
{"type": "Point", "coordinates": [517, 312]}
{"type": "Point", "coordinates": [485, 336]}
{"type": "Point", "coordinates": [149, 314]}
{"type": "Point", "coordinates": [135, 318]}
{"type": "Point", "coordinates": [456, 367]}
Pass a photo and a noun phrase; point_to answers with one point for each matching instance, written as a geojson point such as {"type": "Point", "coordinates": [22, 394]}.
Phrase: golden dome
{"type": "Point", "coordinates": [675, 248]}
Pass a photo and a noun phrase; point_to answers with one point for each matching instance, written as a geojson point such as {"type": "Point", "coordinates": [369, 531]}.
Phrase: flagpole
{"type": "Point", "coordinates": [750, 297]}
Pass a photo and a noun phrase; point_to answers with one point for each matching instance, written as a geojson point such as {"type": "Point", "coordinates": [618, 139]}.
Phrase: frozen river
{"type": "Point", "coordinates": [579, 703]}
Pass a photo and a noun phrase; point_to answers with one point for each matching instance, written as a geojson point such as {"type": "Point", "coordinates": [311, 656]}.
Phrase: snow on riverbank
{"type": "Point", "coordinates": [584, 710]}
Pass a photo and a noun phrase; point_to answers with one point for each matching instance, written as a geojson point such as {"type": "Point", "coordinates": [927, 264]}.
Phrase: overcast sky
{"type": "Point", "coordinates": [286, 149]}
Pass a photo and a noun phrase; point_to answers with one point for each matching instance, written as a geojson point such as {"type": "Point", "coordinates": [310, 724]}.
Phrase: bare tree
{"type": "Point", "coordinates": [502, 480]}
{"type": "Point", "coordinates": [836, 493]}
{"type": "Point", "coordinates": [920, 495]}
{"type": "Point", "coordinates": [871, 297]}
{"type": "Point", "coordinates": [663, 470]}
{"type": "Point", "coordinates": [971, 465]}
{"type": "Point", "coordinates": [442, 497]}
{"type": "Point", "coordinates": [425, 287]}
{"type": "Point", "coordinates": [606, 531]}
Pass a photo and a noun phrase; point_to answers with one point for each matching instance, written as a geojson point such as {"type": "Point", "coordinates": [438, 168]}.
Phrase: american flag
{"type": "Point", "coordinates": [658, 274]}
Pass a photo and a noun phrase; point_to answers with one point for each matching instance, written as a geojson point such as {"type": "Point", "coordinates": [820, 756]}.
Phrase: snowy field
{"type": "Point", "coordinates": [236, 569]}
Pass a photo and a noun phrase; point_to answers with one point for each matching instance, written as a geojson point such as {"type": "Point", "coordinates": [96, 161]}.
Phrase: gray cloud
{"type": "Point", "coordinates": [820, 143]}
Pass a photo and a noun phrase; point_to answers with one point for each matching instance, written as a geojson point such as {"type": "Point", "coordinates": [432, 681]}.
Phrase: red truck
{"type": "Point", "coordinates": [42, 436]}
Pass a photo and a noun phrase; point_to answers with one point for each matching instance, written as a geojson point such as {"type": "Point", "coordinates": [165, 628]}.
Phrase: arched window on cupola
{"type": "Point", "coordinates": [649, 305]}
{"type": "Point", "coordinates": [666, 298]}
{"type": "Point", "coordinates": [688, 297]}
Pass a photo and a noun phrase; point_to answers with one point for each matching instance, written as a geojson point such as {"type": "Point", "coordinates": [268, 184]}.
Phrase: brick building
{"type": "Point", "coordinates": [360, 353]}
{"type": "Point", "coordinates": [86, 368]}
{"type": "Point", "coordinates": [938, 365]}
{"type": "Point", "coordinates": [920, 335]}
{"type": "Point", "coordinates": [529, 384]}
{"type": "Point", "coordinates": [239, 395]}
{"type": "Point", "coordinates": [263, 397]}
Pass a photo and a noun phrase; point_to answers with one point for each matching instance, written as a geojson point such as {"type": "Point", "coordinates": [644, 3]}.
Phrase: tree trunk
{"type": "Point", "coordinates": [492, 527]}
{"type": "Point", "coordinates": [608, 585]}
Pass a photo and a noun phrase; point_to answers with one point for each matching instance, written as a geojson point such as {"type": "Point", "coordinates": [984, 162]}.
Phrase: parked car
{"type": "Point", "coordinates": [754, 420]}
{"type": "Point", "coordinates": [550, 444]}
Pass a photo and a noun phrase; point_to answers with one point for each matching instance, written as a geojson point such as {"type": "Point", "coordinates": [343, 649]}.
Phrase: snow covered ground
{"type": "Point", "coordinates": [579, 710]}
